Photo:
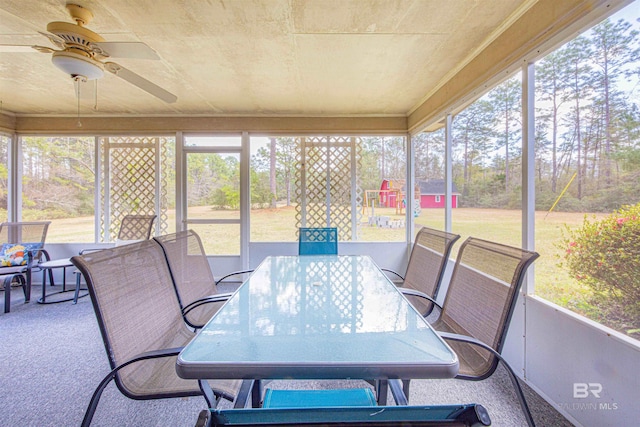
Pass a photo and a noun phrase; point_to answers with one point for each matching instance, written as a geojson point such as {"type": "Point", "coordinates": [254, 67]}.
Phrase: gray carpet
{"type": "Point", "coordinates": [52, 358]}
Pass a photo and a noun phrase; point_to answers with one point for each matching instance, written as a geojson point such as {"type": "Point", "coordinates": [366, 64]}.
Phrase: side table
{"type": "Point", "coordinates": [48, 267]}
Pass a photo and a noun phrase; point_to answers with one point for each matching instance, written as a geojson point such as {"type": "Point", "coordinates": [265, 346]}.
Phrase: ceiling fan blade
{"type": "Point", "coordinates": [14, 48]}
{"type": "Point", "coordinates": [141, 82]}
{"type": "Point", "coordinates": [56, 40]}
{"type": "Point", "coordinates": [125, 50]}
{"type": "Point", "coordinates": [43, 49]}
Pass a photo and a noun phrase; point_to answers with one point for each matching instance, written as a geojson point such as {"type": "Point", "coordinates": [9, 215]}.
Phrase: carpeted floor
{"type": "Point", "coordinates": [52, 358]}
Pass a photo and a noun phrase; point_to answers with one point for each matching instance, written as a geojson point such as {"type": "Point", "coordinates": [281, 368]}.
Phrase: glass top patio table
{"type": "Point", "coordinates": [317, 317]}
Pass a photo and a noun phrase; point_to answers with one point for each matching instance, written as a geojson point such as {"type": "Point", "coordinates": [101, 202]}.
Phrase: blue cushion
{"type": "Point", "coordinates": [318, 398]}
{"type": "Point", "coordinates": [16, 254]}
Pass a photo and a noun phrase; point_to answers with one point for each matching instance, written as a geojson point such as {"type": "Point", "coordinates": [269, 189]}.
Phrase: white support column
{"type": "Point", "coordinates": [303, 182]}
{"type": "Point", "coordinates": [106, 161]}
{"type": "Point", "coordinates": [528, 166]}
{"type": "Point", "coordinates": [97, 214]}
{"type": "Point", "coordinates": [448, 172]}
{"type": "Point", "coordinates": [158, 180]}
{"type": "Point", "coordinates": [354, 188]}
{"type": "Point", "coordinates": [181, 182]}
{"type": "Point", "coordinates": [409, 190]}
{"type": "Point", "coordinates": [328, 183]}
{"type": "Point", "coordinates": [245, 199]}
{"type": "Point", "coordinates": [14, 192]}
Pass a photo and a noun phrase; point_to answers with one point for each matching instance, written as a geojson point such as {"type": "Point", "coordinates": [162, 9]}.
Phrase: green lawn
{"type": "Point", "coordinates": [552, 282]}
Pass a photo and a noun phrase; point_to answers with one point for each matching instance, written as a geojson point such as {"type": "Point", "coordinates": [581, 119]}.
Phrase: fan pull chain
{"type": "Point", "coordinates": [77, 81]}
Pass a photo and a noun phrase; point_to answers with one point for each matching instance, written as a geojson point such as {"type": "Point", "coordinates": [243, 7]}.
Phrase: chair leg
{"type": "Point", "coordinates": [405, 387]}
{"type": "Point", "coordinates": [397, 392]}
{"type": "Point", "coordinates": [204, 418]}
{"type": "Point", "coordinates": [23, 284]}
{"type": "Point", "coordinates": [27, 294]}
{"type": "Point", "coordinates": [207, 392]}
{"type": "Point", "coordinates": [7, 293]}
{"type": "Point", "coordinates": [382, 387]}
{"type": "Point", "coordinates": [256, 394]}
{"type": "Point", "coordinates": [246, 390]}
{"type": "Point", "coordinates": [95, 398]}
{"type": "Point", "coordinates": [512, 375]}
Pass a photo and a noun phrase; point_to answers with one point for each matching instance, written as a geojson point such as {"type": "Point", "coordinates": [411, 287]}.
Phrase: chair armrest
{"type": "Point", "coordinates": [233, 274]}
{"type": "Point", "coordinates": [217, 298]}
{"type": "Point", "coordinates": [393, 272]}
{"type": "Point", "coordinates": [414, 293]}
{"type": "Point", "coordinates": [206, 300]}
{"type": "Point", "coordinates": [87, 250]}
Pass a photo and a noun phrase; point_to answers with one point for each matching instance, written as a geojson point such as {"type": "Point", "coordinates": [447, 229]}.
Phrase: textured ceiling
{"type": "Point", "coordinates": [252, 57]}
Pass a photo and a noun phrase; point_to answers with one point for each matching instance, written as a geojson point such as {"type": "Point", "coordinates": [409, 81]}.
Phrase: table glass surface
{"type": "Point", "coordinates": [317, 317]}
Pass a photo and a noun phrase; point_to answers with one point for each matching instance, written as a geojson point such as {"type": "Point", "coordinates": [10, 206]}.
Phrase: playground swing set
{"type": "Point", "coordinates": [396, 198]}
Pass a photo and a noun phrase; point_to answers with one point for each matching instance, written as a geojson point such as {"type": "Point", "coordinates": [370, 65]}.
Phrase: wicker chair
{"type": "Point", "coordinates": [141, 325]}
{"type": "Point", "coordinates": [318, 241]}
{"type": "Point", "coordinates": [478, 306]}
{"type": "Point", "coordinates": [194, 282]}
{"type": "Point", "coordinates": [426, 267]}
{"type": "Point", "coordinates": [32, 235]}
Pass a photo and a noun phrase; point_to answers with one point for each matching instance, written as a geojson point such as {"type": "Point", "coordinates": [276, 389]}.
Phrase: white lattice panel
{"type": "Point", "coordinates": [327, 186]}
{"type": "Point", "coordinates": [133, 180]}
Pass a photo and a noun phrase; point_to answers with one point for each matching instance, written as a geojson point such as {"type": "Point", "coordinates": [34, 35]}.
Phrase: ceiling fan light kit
{"type": "Point", "coordinates": [76, 64]}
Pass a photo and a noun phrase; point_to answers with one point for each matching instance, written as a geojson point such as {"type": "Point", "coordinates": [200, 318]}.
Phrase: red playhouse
{"type": "Point", "coordinates": [430, 192]}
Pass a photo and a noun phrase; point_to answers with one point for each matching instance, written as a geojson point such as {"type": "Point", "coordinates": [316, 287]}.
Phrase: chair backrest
{"type": "Point", "coordinates": [191, 273]}
{"type": "Point", "coordinates": [26, 233]}
{"type": "Point", "coordinates": [318, 241]}
{"type": "Point", "coordinates": [135, 303]}
{"type": "Point", "coordinates": [433, 415]}
{"type": "Point", "coordinates": [427, 264]}
{"type": "Point", "coordinates": [135, 228]}
{"type": "Point", "coordinates": [480, 300]}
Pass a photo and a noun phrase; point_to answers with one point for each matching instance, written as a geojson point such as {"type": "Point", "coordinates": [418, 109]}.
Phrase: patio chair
{"type": "Point", "coordinates": [22, 250]}
{"type": "Point", "coordinates": [194, 282]}
{"type": "Point", "coordinates": [426, 267]}
{"type": "Point", "coordinates": [433, 415]}
{"type": "Point", "coordinates": [478, 306]}
{"type": "Point", "coordinates": [318, 241]}
{"type": "Point", "coordinates": [133, 228]}
{"type": "Point", "coordinates": [141, 324]}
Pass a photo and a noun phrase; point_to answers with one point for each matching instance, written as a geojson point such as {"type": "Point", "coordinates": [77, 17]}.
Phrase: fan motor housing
{"type": "Point", "coordinates": [74, 34]}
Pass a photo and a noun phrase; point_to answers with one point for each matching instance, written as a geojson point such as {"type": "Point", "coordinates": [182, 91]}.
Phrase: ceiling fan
{"type": "Point", "coordinates": [83, 54]}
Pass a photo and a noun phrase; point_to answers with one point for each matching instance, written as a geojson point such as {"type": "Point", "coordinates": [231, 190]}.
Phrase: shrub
{"type": "Point", "coordinates": [605, 255]}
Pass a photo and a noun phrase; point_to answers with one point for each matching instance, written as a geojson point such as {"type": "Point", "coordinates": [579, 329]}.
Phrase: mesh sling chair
{"type": "Point", "coordinates": [24, 240]}
{"type": "Point", "coordinates": [426, 267]}
{"type": "Point", "coordinates": [141, 324]}
{"type": "Point", "coordinates": [418, 416]}
{"type": "Point", "coordinates": [133, 228]}
{"type": "Point", "coordinates": [478, 306]}
{"type": "Point", "coordinates": [318, 241]}
{"type": "Point", "coordinates": [194, 282]}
